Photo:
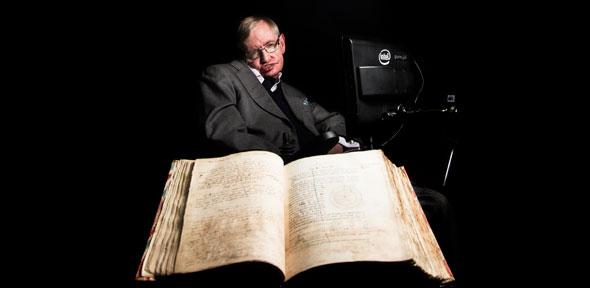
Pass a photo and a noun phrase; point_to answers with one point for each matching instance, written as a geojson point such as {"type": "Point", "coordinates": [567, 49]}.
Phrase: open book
{"type": "Point", "coordinates": [320, 211]}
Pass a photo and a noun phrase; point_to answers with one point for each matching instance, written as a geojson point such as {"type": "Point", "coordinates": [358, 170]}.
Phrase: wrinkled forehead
{"type": "Point", "coordinates": [260, 35]}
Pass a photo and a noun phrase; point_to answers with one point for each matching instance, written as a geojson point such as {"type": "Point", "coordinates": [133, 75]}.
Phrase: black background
{"type": "Point", "coordinates": [117, 102]}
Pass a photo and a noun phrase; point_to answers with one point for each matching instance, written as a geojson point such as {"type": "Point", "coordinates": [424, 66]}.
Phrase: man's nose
{"type": "Point", "coordinates": [264, 56]}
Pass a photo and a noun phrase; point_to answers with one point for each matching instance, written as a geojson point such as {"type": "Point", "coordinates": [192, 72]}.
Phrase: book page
{"type": "Point", "coordinates": [418, 236]}
{"type": "Point", "coordinates": [234, 213]}
{"type": "Point", "coordinates": [165, 234]}
{"type": "Point", "coordinates": [340, 209]}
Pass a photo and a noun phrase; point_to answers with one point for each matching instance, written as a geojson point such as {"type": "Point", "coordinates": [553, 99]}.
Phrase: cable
{"type": "Point", "coordinates": [392, 136]}
{"type": "Point", "coordinates": [421, 86]}
{"type": "Point", "coordinates": [448, 167]}
{"type": "Point", "coordinates": [401, 106]}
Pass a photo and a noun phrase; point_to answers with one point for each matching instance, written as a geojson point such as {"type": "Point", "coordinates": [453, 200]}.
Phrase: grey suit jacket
{"type": "Point", "coordinates": [239, 114]}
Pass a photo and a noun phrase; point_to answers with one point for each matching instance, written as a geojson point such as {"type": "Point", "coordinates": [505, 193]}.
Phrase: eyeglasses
{"type": "Point", "coordinates": [270, 48]}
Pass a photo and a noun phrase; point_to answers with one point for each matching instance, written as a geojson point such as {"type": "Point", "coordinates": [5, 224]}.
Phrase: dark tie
{"type": "Point", "coordinates": [303, 134]}
{"type": "Point", "coordinates": [268, 83]}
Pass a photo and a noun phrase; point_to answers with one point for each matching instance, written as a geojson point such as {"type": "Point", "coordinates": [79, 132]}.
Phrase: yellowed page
{"type": "Point", "coordinates": [418, 236]}
{"type": "Point", "coordinates": [163, 242]}
{"type": "Point", "coordinates": [339, 210]}
{"type": "Point", "coordinates": [235, 212]}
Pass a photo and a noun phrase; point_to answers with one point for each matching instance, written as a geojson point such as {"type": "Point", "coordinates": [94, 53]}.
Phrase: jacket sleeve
{"type": "Point", "coordinates": [328, 121]}
{"type": "Point", "coordinates": [224, 126]}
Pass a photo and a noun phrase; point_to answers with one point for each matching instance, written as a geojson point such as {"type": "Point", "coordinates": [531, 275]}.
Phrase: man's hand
{"type": "Point", "coordinates": [336, 149]}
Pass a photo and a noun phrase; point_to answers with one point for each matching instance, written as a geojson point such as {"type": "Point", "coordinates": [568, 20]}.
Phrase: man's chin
{"type": "Point", "coordinates": [271, 71]}
{"type": "Point", "coordinates": [268, 72]}
{"type": "Point", "coordinates": [271, 74]}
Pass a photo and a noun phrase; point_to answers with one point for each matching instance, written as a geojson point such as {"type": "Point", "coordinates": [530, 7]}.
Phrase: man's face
{"type": "Point", "coordinates": [269, 64]}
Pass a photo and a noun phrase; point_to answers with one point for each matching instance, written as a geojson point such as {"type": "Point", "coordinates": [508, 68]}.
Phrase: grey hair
{"type": "Point", "coordinates": [246, 26]}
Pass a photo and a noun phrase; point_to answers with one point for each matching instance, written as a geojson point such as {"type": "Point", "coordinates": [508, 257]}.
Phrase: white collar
{"type": "Point", "coordinates": [261, 78]}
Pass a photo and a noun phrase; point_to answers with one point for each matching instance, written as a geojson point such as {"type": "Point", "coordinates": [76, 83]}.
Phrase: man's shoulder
{"type": "Point", "coordinates": [231, 67]}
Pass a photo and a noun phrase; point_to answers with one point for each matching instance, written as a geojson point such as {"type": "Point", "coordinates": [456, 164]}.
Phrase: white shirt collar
{"type": "Point", "coordinates": [261, 78]}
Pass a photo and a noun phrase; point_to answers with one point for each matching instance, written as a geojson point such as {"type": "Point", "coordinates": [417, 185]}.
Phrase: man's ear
{"type": "Point", "coordinates": [282, 41]}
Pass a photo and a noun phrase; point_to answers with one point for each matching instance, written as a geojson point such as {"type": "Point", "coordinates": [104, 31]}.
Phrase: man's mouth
{"type": "Point", "coordinates": [267, 67]}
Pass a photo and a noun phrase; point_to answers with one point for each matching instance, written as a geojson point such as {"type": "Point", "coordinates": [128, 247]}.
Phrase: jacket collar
{"type": "Point", "coordinates": [261, 97]}
{"type": "Point", "coordinates": [255, 90]}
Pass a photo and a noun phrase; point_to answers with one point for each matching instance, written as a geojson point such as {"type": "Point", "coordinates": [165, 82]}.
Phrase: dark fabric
{"type": "Point", "coordinates": [268, 83]}
{"type": "Point", "coordinates": [237, 114]}
{"type": "Point", "coordinates": [305, 137]}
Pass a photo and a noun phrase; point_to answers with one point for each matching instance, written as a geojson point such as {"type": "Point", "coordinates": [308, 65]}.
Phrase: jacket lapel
{"type": "Point", "coordinates": [298, 106]}
{"type": "Point", "coordinates": [257, 91]}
